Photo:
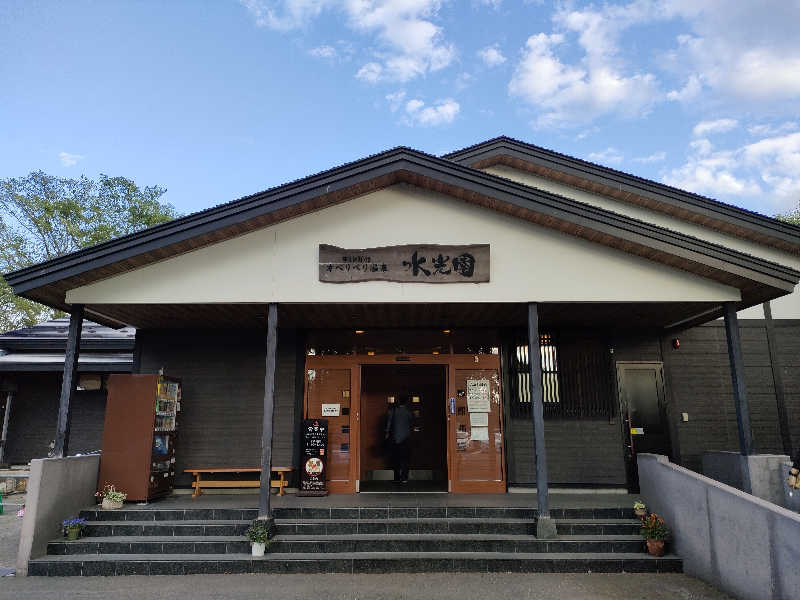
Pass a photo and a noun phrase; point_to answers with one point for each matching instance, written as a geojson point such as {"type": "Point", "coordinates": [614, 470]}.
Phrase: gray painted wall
{"type": "Point", "coordinates": [58, 488]}
{"type": "Point", "coordinates": [223, 394]}
{"type": "Point", "coordinates": [741, 544]}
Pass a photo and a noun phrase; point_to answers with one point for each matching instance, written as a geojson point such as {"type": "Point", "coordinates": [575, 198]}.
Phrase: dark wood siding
{"type": "Point", "coordinates": [583, 452]}
{"type": "Point", "coordinates": [223, 391]}
{"type": "Point", "coordinates": [787, 337]}
{"type": "Point", "coordinates": [34, 413]}
{"type": "Point", "coordinates": [700, 381]}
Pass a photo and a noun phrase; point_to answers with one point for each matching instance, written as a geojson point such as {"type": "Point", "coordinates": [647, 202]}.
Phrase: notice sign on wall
{"type": "Point", "coordinates": [418, 263]}
{"type": "Point", "coordinates": [314, 459]}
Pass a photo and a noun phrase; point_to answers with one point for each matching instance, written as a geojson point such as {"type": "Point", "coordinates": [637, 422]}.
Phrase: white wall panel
{"type": "Point", "coordinates": [280, 263]}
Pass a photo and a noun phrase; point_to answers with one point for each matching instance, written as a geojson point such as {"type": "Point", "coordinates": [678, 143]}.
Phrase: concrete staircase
{"type": "Point", "coordinates": [353, 540]}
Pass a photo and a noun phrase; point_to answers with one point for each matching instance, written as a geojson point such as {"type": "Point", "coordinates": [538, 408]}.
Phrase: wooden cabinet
{"type": "Point", "coordinates": [141, 427]}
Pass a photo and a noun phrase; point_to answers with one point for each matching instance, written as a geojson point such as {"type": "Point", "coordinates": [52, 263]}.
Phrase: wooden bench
{"type": "Point", "coordinates": [199, 483]}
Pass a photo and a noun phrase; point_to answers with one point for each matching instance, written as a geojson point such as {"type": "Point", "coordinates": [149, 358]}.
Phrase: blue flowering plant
{"type": "Point", "coordinates": [73, 526]}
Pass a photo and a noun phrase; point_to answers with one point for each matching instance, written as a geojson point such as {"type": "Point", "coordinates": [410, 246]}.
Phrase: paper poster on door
{"type": "Point", "coordinates": [480, 434]}
{"type": "Point", "coordinates": [479, 419]}
{"type": "Point", "coordinates": [478, 395]}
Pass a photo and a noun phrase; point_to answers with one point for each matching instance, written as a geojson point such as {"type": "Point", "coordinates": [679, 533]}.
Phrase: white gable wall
{"type": "Point", "coordinates": [787, 307]}
{"type": "Point", "coordinates": [280, 263]}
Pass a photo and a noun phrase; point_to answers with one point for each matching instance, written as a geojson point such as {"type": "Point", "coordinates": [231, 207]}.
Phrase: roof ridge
{"type": "Point", "coordinates": [663, 186]}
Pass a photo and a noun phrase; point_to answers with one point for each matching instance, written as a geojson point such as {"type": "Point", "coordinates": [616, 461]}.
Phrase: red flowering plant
{"type": "Point", "coordinates": [654, 528]}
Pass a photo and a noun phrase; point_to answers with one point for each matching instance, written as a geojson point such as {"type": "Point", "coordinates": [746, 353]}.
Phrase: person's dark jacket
{"type": "Point", "coordinates": [398, 424]}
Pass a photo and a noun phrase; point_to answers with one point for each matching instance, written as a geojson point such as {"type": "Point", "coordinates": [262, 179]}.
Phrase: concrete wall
{"type": "Point", "coordinates": [58, 488]}
{"type": "Point", "coordinates": [741, 544]}
{"type": "Point", "coordinates": [760, 472]}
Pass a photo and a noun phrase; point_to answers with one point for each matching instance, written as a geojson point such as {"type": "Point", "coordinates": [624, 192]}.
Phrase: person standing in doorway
{"type": "Point", "coordinates": [398, 430]}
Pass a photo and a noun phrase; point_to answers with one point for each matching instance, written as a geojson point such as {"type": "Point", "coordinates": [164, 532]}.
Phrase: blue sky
{"type": "Point", "coordinates": [218, 99]}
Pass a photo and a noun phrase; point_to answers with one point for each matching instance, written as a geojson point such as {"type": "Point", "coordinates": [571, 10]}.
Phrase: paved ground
{"type": "Point", "coordinates": [10, 525]}
{"type": "Point", "coordinates": [449, 586]}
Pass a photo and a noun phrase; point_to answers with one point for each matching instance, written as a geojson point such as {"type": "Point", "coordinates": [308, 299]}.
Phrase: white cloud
{"type": "Point", "coordinates": [370, 72]}
{"type": "Point", "coordinates": [717, 126]}
{"type": "Point", "coordinates": [441, 112]}
{"type": "Point", "coordinates": [409, 43]}
{"type": "Point", "coordinates": [284, 14]}
{"type": "Point", "coordinates": [328, 52]}
{"type": "Point", "coordinates": [608, 156]}
{"type": "Point", "coordinates": [766, 171]}
{"type": "Point", "coordinates": [69, 160]}
{"type": "Point", "coordinates": [569, 95]}
{"type": "Point", "coordinates": [413, 45]}
{"type": "Point", "coordinates": [653, 158]}
{"type": "Point", "coordinates": [491, 56]}
{"type": "Point", "coordinates": [395, 99]}
{"type": "Point", "coordinates": [773, 130]}
{"type": "Point", "coordinates": [688, 92]}
{"type": "Point", "coordinates": [739, 55]}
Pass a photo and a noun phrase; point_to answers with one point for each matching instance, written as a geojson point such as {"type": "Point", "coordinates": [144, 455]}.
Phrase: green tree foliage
{"type": "Point", "coordinates": [43, 217]}
{"type": "Point", "coordinates": [793, 217]}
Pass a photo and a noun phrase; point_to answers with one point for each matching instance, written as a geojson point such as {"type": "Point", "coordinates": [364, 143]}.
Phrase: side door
{"type": "Point", "coordinates": [475, 447]}
{"type": "Point", "coordinates": [644, 413]}
{"type": "Point", "coordinates": [332, 382]}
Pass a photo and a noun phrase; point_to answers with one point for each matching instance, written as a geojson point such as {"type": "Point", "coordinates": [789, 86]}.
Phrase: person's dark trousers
{"type": "Point", "coordinates": [400, 456]}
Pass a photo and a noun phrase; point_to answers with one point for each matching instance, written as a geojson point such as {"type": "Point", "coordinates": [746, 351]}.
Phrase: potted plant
{"type": "Point", "coordinates": [73, 527]}
{"type": "Point", "coordinates": [259, 535]}
{"type": "Point", "coordinates": [639, 509]}
{"type": "Point", "coordinates": [655, 532]}
{"type": "Point", "coordinates": [111, 497]}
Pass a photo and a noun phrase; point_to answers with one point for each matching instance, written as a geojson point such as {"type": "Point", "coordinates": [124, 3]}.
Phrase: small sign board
{"type": "Point", "coordinates": [314, 459]}
{"type": "Point", "coordinates": [331, 410]}
{"type": "Point", "coordinates": [637, 430]}
{"type": "Point", "coordinates": [413, 263]}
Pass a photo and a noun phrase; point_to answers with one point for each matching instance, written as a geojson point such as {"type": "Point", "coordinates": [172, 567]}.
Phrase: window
{"type": "Point", "coordinates": [577, 379]}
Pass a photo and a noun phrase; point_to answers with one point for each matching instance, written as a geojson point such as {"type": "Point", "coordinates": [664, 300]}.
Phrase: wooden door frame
{"type": "Point", "coordinates": [451, 362]}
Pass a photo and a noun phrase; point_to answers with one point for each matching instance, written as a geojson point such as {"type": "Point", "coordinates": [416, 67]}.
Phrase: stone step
{"type": "Point", "coordinates": [347, 543]}
{"type": "Point", "coordinates": [359, 526]}
{"type": "Point", "coordinates": [361, 513]}
{"type": "Point", "coordinates": [355, 526]}
{"type": "Point", "coordinates": [377, 562]}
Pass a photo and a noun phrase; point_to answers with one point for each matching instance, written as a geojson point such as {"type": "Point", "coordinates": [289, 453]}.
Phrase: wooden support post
{"type": "Point", "coordinates": [69, 381]}
{"type": "Point", "coordinates": [737, 377]}
{"type": "Point", "coordinates": [777, 379]}
{"type": "Point", "coordinates": [739, 391]}
{"type": "Point", "coordinates": [545, 527]}
{"type": "Point", "coordinates": [264, 511]}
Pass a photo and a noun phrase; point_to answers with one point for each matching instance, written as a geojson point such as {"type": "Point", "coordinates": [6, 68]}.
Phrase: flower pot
{"type": "Point", "coordinates": [655, 547]}
{"type": "Point", "coordinates": [111, 504]}
{"type": "Point", "coordinates": [73, 533]}
{"type": "Point", "coordinates": [258, 549]}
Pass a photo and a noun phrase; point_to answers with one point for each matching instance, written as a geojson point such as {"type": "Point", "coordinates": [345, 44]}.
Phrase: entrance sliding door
{"type": "Point", "coordinates": [336, 388]}
{"type": "Point", "coordinates": [475, 434]}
